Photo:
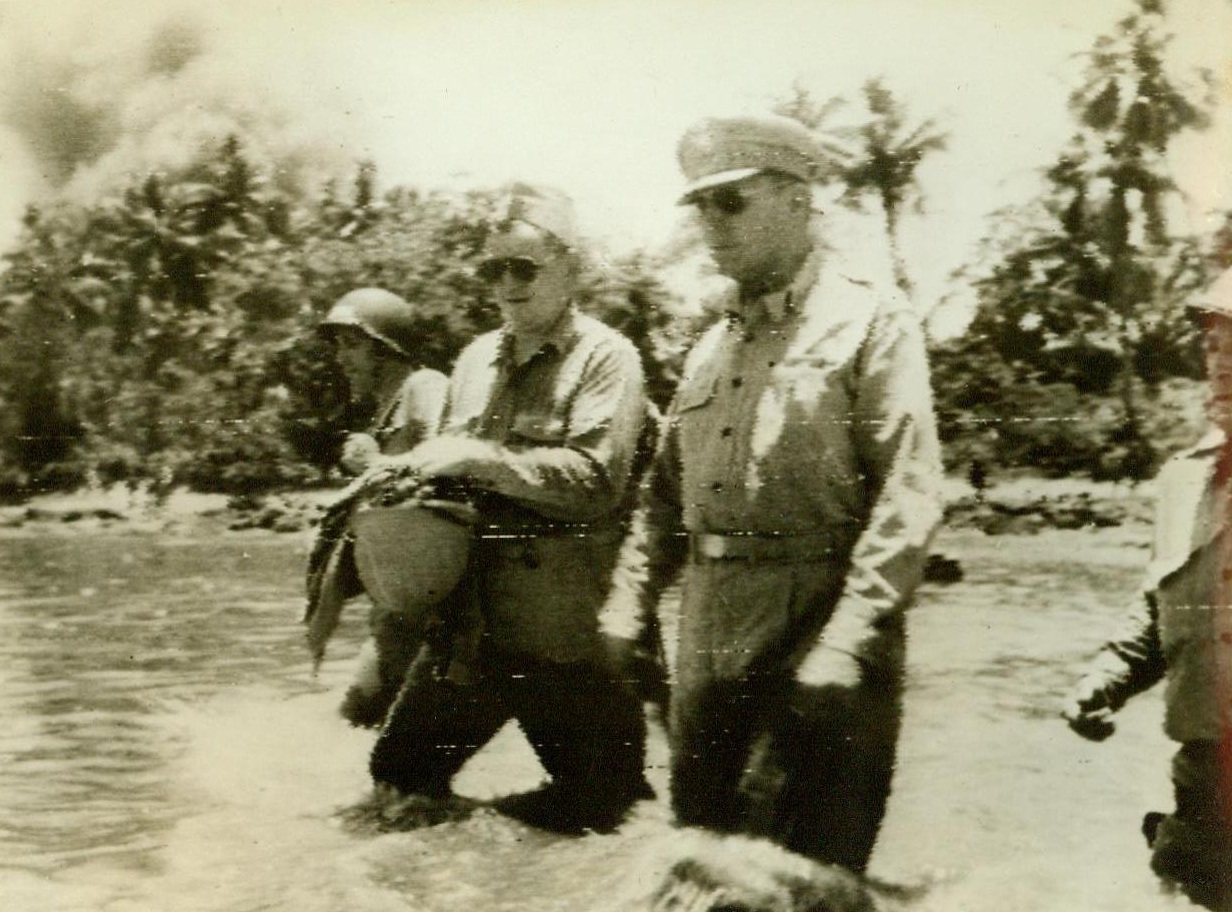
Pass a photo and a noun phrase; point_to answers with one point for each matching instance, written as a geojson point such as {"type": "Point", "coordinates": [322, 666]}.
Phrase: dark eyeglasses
{"type": "Point", "coordinates": [520, 269]}
{"type": "Point", "coordinates": [726, 200]}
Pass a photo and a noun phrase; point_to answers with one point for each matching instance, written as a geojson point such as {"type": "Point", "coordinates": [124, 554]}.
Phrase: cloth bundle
{"type": "Point", "coordinates": [332, 577]}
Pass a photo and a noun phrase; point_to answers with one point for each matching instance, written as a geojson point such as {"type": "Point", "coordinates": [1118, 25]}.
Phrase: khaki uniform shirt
{"type": "Point", "coordinates": [808, 415]}
{"type": "Point", "coordinates": [1181, 628]}
{"type": "Point", "coordinates": [567, 422]}
{"type": "Point", "coordinates": [414, 414]}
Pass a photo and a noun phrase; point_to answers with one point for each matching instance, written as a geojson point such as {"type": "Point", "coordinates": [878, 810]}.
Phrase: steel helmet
{"type": "Point", "coordinates": [380, 314]}
{"type": "Point", "coordinates": [409, 557]}
{"type": "Point", "coordinates": [408, 546]}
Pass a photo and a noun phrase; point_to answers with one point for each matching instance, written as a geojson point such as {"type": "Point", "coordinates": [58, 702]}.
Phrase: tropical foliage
{"type": "Point", "coordinates": [165, 336]}
{"type": "Point", "coordinates": [1081, 333]}
{"type": "Point", "coordinates": [877, 159]}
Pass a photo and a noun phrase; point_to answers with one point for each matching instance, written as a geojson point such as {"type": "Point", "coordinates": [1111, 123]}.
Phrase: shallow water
{"type": "Point", "coordinates": [166, 746]}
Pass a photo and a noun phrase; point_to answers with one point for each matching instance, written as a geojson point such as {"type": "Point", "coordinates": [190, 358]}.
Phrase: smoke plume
{"type": "Point", "coordinates": [91, 95]}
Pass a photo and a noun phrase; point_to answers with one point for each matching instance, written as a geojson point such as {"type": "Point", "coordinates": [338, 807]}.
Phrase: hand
{"type": "Point", "coordinates": [359, 452]}
{"type": "Point", "coordinates": [451, 457]}
{"type": "Point", "coordinates": [826, 667]}
{"type": "Point", "coordinates": [1088, 710]}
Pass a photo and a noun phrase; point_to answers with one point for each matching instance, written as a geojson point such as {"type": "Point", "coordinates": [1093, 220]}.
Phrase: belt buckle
{"type": "Point", "coordinates": [713, 547]}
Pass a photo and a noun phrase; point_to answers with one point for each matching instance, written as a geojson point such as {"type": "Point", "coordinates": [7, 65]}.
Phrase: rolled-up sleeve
{"type": "Point", "coordinates": [419, 413]}
{"type": "Point", "coordinates": [896, 444]}
{"type": "Point", "coordinates": [1133, 660]}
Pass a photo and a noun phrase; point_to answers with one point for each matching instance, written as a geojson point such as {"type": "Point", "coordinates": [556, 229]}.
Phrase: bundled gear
{"type": "Point", "coordinates": [406, 543]}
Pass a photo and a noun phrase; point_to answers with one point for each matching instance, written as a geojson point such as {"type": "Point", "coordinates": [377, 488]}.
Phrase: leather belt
{"type": "Point", "coordinates": [499, 532]}
{"type": "Point", "coordinates": [564, 530]}
{"type": "Point", "coordinates": [791, 546]}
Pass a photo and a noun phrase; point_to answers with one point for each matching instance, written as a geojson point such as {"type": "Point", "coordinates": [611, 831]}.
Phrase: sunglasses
{"type": "Point", "coordinates": [520, 269]}
{"type": "Point", "coordinates": [725, 200]}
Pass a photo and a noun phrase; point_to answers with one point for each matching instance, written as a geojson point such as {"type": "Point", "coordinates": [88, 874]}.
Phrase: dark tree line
{"type": "Point", "coordinates": [166, 336]}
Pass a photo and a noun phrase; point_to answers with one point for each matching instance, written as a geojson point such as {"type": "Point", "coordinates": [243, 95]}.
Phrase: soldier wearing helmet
{"type": "Point", "coordinates": [1180, 631]}
{"type": "Point", "coordinates": [375, 337]}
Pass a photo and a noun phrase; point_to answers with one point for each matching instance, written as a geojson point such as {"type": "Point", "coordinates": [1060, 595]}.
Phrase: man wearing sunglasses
{"type": "Point", "coordinates": [543, 418]}
{"type": "Point", "coordinates": [796, 490]}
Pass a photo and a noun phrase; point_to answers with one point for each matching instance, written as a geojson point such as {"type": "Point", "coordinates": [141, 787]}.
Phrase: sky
{"type": "Point", "coordinates": [588, 95]}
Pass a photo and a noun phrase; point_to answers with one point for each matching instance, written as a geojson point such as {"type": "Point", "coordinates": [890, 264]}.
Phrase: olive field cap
{"type": "Point", "coordinates": [541, 207]}
{"type": "Point", "coordinates": [719, 150]}
{"type": "Point", "coordinates": [379, 314]}
{"type": "Point", "coordinates": [1218, 298]}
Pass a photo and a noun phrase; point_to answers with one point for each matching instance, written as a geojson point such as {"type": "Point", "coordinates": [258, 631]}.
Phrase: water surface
{"type": "Point", "coordinates": [166, 746]}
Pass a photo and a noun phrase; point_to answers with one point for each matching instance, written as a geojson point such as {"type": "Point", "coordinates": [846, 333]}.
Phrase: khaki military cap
{"type": "Point", "coordinates": [545, 208]}
{"type": "Point", "coordinates": [719, 150]}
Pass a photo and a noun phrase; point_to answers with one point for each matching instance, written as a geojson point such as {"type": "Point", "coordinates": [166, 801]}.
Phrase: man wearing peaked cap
{"type": "Point", "coordinates": [794, 493]}
{"type": "Point", "coordinates": [543, 420]}
{"type": "Point", "coordinates": [724, 150]}
{"type": "Point", "coordinates": [1180, 630]}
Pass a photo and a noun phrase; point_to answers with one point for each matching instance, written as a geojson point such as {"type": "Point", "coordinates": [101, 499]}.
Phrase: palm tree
{"type": "Point", "coordinates": [888, 153]}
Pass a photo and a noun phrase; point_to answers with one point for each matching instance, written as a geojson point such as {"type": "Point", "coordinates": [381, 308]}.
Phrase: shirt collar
{"type": "Point", "coordinates": [788, 301]}
{"type": "Point", "coordinates": [783, 304]}
{"type": "Point", "coordinates": [559, 339]}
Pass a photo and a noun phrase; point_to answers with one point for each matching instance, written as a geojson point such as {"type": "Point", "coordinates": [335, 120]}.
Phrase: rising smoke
{"type": "Point", "coordinates": [91, 95]}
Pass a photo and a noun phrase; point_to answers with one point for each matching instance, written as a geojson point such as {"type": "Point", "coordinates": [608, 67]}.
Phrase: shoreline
{"type": "Point", "coordinates": [118, 511]}
{"type": "Point", "coordinates": [1018, 506]}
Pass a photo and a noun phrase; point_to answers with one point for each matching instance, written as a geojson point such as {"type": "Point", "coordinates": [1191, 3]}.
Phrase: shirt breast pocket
{"type": "Point", "coordinates": [695, 417]}
{"type": "Point", "coordinates": [695, 396]}
{"type": "Point", "coordinates": [539, 430]}
{"type": "Point", "coordinates": [809, 379]}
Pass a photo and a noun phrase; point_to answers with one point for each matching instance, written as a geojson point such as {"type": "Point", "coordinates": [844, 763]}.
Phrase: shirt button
{"type": "Point", "coordinates": [737, 382]}
{"type": "Point", "coordinates": [717, 487]}
{"type": "Point", "coordinates": [727, 432]}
